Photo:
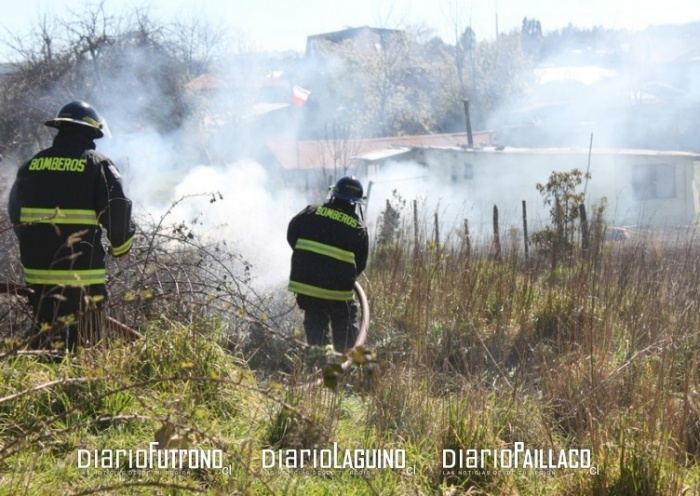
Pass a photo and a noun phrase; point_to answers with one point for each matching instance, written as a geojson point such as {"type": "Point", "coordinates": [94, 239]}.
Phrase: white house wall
{"type": "Point", "coordinates": [642, 189]}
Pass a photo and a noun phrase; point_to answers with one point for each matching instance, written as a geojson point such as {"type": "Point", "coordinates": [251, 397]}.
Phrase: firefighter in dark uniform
{"type": "Point", "coordinates": [60, 201]}
{"type": "Point", "coordinates": [330, 246]}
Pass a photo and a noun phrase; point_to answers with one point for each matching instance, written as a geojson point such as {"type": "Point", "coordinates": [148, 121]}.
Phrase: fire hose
{"type": "Point", "coordinates": [356, 354]}
{"type": "Point", "coordinates": [364, 323]}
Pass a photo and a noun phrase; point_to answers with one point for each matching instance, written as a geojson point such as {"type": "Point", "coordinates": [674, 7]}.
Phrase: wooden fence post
{"type": "Point", "coordinates": [467, 237]}
{"type": "Point", "coordinates": [437, 233]}
{"type": "Point", "coordinates": [527, 249]}
{"type": "Point", "coordinates": [496, 235]}
{"type": "Point", "coordinates": [584, 229]}
{"type": "Point", "coordinates": [415, 225]}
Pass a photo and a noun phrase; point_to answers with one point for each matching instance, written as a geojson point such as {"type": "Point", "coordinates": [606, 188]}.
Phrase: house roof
{"type": "Point", "coordinates": [364, 36]}
{"type": "Point", "coordinates": [349, 33]}
{"type": "Point", "coordinates": [262, 108]}
{"type": "Point", "coordinates": [327, 154]}
{"type": "Point", "coordinates": [219, 82]}
{"type": "Point", "coordinates": [207, 82]}
{"type": "Point", "coordinates": [385, 153]}
{"type": "Point", "coordinates": [582, 151]}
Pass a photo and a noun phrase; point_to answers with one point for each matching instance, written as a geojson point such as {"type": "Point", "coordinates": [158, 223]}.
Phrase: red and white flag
{"type": "Point", "coordinates": [300, 95]}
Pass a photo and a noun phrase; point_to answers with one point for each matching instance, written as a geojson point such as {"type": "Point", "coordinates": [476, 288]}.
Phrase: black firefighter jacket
{"type": "Point", "coordinates": [330, 246]}
{"type": "Point", "coordinates": [60, 201]}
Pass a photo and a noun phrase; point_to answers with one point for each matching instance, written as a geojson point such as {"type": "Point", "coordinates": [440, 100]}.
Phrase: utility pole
{"type": "Point", "coordinates": [496, 14]}
{"type": "Point", "coordinates": [467, 117]}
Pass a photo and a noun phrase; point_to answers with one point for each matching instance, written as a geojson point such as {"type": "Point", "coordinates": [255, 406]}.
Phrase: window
{"type": "Point", "coordinates": [462, 172]}
{"type": "Point", "coordinates": [468, 171]}
{"type": "Point", "coordinates": [654, 181]}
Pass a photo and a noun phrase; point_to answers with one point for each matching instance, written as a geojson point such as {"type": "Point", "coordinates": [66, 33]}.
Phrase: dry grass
{"type": "Point", "coordinates": [594, 352]}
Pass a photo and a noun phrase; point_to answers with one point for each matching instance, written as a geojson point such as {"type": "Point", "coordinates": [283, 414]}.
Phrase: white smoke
{"type": "Point", "coordinates": [239, 203]}
{"type": "Point", "coordinates": [436, 197]}
{"type": "Point", "coordinates": [250, 215]}
{"type": "Point", "coordinates": [408, 185]}
{"type": "Point", "coordinates": [256, 206]}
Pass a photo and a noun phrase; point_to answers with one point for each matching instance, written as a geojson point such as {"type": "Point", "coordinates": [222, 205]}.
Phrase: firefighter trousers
{"type": "Point", "coordinates": [341, 315]}
{"type": "Point", "coordinates": [65, 317]}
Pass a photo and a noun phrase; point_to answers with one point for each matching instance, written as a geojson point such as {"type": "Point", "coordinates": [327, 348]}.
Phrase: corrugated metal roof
{"type": "Point", "coordinates": [258, 109]}
{"type": "Point", "coordinates": [383, 154]}
{"type": "Point", "coordinates": [327, 154]}
{"type": "Point", "coordinates": [321, 154]}
{"type": "Point", "coordinates": [584, 151]}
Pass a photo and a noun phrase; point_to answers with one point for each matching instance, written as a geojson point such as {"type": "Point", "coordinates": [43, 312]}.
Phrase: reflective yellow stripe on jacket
{"type": "Point", "coordinates": [327, 250]}
{"type": "Point", "coordinates": [65, 277]}
{"type": "Point", "coordinates": [58, 216]}
{"type": "Point", "coordinates": [316, 292]}
{"type": "Point", "coordinates": [118, 251]}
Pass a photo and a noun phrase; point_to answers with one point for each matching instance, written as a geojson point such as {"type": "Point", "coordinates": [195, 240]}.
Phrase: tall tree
{"type": "Point", "coordinates": [103, 58]}
{"type": "Point", "coordinates": [532, 37]}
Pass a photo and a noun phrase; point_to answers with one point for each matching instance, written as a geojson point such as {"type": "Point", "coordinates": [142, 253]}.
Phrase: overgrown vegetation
{"type": "Point", "coordinates": [598, 352]}
{"type": "Point", "coordinates": [561, 194]}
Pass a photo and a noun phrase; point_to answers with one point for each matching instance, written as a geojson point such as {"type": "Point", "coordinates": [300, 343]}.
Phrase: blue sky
{"type": "Point", "coordinates": [284, 24]}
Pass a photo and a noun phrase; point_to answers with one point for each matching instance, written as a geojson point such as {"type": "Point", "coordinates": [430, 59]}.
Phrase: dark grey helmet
{"type": "Point", "coordinates": [83, 114]}
{"type": "Point", "coordinates": [348, 188]}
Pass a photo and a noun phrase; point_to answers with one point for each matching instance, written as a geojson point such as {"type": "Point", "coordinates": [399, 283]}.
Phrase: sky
{"type": "Point", "coordinates": [284, 25]}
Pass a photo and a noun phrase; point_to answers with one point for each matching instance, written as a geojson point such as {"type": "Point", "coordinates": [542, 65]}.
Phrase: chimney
{"type": "Point", "coordinates": [470, 138]}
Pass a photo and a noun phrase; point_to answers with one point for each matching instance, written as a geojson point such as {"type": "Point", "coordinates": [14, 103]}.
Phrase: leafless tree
{"type": "Point", "coordinates": [101, 57]}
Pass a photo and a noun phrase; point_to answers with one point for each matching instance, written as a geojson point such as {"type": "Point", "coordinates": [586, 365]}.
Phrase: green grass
{"type": "Point", "coordinates": [596, 353]}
